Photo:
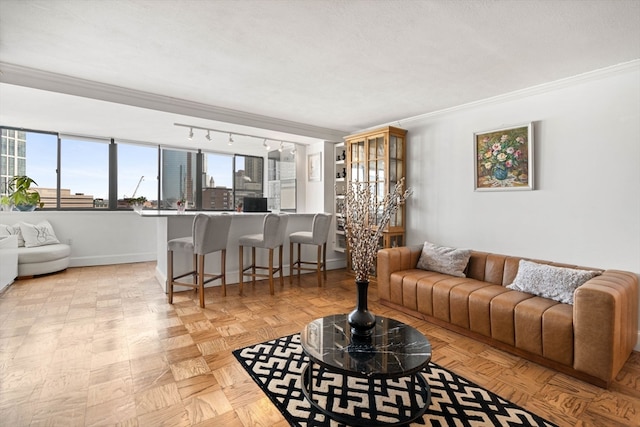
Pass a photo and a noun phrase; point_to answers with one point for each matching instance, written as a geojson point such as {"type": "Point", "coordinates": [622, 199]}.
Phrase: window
{"type": "Point", "coordinates": [178, 178]}
{"type": "Point", "coordinates": [74, 172]}
{"type": "Point", "coordinates": [33, 154]}
{"type": "Point", "coordinates": [84, 173]}
{"type": "Point", "coordinates": [137, 173]}
{"type": "Point", "coordinates": [217, 182]}
{"type": "Point", "coordinates": [249, 176]}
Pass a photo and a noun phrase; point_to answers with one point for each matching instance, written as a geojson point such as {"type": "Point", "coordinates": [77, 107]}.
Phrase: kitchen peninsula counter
{"type": "Point", "coordinates": [171, 225]}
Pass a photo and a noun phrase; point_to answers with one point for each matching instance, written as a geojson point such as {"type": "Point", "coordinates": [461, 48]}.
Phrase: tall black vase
{"type": "Point", "coordinates": [361, 320]}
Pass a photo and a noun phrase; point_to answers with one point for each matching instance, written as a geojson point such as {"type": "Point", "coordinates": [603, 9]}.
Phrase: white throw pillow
{"type": "Point", "coordinates": [556, 283]}
{"type": "Point", "coordinates": [12, 230]}
{"type": "Point", "coordinates": [38, 235]}
{"type": "Point", "coordinates": [445, 260]}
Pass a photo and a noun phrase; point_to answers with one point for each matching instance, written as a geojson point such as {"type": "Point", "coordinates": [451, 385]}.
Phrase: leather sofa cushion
{"type": "Point", "coordinates": [503, 308]}
{"type": "Point", "coordinates": [528, 323]}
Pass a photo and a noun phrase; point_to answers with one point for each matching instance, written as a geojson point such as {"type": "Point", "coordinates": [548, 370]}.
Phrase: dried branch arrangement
{"type": "Point", "coordinates": [366, 217]}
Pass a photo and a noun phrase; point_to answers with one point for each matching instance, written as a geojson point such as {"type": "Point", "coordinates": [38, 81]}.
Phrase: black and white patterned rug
{"type": "Point", "coordinates": [276, 366]}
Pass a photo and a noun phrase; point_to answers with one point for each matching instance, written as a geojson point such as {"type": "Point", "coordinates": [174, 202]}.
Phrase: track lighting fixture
{"type": "Point", "coordinates": [265, 141]}
{"type": "Point", "coordinates": [293, 151]}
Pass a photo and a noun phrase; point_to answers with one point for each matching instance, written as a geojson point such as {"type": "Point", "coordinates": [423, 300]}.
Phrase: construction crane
{"type": "Point", "coordinates": [137, 186]}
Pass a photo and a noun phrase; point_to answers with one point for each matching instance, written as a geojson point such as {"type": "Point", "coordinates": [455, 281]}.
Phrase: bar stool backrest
{"type": "Point", "coordinates": [282, 228]}
{"type": "Point", "coordinates": [270, 230]}
{"type": "Point", "coordinates": [210, 232]}
{"type": "Point", "coordinates": [320, 228]}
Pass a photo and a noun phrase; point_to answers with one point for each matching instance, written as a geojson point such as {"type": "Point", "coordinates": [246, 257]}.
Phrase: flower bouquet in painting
{"type": "Point", "coordinates": [365, 219]}
{"type": "Point", "coordinates": [503, 158]}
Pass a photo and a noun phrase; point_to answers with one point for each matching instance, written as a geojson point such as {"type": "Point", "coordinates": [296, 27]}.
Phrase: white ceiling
{"type": "Point", "coordinates": [299, 70]}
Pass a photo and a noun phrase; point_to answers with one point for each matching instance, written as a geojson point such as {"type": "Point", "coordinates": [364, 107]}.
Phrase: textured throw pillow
{"type": "Point", "coordinates": [38, 235]}
{"type": "Point", "coordinates": [12, 230]}
{"type": "Point", "coordinates": [556, 283]}
{"type": "Point", "coordinates": [445, 260]}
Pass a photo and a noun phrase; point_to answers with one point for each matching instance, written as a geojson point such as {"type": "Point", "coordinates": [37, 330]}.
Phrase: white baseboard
{"type": "Point", "coordinates": [88, 261]}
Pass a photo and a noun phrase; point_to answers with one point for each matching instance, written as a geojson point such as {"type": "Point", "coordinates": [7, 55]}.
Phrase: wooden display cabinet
{"type": "Point", "coordinates": [378, 158]}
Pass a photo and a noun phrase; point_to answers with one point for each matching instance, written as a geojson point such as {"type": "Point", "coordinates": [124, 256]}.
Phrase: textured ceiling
{"type": "Point", "coordinates": [340, 65]}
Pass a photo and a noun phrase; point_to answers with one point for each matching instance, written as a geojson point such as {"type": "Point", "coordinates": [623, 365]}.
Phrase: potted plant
{"type": "Point", "coordinates": [137, 203]}
{"type": "Point", "coordinates": [181, 205]}
{"type": "Point", "coordinates": [21, 196]}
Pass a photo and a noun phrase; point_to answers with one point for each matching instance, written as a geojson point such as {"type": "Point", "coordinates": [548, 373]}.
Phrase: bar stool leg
{"type": "Point", "coordinates": [290, 262]}
{"type": "Point", "coordinates": [324, 259]}
{"type": "Point", "coordinates": [299, 260]}
{"type": "Point", "coordinates": [195, 269]}
{"type": "Point", "coordinates": [201, 279]}
{"type": "Point", "coordinates": [170, 275]}
{"type": "Point", "coordinates": [253, 265]}
{"type": "Point", "coordinates": [271, 289]}
{"type": "Point", "coordinates": [241, 270]}
{"type": "Point", "coordinates": [319, 266]}
{"type": "Point", "coordinates": [223, 266]}
{"type": "Point", "coordinates": [280, 254]}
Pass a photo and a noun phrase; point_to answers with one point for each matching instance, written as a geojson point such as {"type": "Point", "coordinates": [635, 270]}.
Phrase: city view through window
{"type": "Point", "coordinates": [85, 181]}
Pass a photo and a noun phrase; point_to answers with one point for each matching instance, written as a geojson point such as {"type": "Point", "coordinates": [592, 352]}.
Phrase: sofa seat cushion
{"type": "Point", "coordinates": [46, 253]}
{"type": "Point", "coordinates": [557, 334]}
{"type": "Point", "coordinates": [528, 322]}
{"type": "Point", "coordinates": [399, 286]}
{"type": "Point", "coordinates": [503, 308]}
{"type": "Point", "coordinates": [480, 308]}
{"type": "Point", "coordinates": [459, 301]}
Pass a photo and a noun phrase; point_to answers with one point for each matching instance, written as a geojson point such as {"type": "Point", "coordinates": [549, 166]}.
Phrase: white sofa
{"type": "Point", "coordinates": [39, 251]}
{"type": "Point", "coordinates": [43, 259]}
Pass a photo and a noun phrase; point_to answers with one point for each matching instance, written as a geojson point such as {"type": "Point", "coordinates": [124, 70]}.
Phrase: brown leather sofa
{"type": "Point", "coordinates": [590, 340]}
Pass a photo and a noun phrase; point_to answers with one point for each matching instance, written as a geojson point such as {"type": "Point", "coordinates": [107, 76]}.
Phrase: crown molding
{"type": "Point", "coordinates": [53, 82]}
{"type": "Point", "coordinates": [625, 67]}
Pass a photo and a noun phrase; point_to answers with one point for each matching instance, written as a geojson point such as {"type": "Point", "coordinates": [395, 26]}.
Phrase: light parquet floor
{"type": "Point", "coordinates": [101, 346]}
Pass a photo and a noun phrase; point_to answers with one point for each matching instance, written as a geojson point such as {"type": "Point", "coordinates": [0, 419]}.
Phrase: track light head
{"type": "Point", "coordinates": [265, 145]}
{"type": "Point", "coordinates": [281, 146]}
{"type": "Point", "coordinates": [230, 140]}
{"type": "Point", "coordinates": [208, 135]}
{"type": "Point", "coordinates": [190, 133]}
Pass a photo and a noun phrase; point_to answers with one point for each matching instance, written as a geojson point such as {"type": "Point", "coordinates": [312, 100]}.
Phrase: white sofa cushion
{"type": "Point", "coordinates": [12, 230]}
{"type": "Point", "coordinates": [43, 253]}
{"type": "Point", "coordinates": [40, 234]}
{"type": "Point", "coordinates": [556, 283]}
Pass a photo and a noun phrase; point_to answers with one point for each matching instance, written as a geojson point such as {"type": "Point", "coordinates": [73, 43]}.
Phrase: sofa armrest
{"type": "Point", "coordinates": [605, 316]}
{"type": "Point", "coordinates": [391, 260]}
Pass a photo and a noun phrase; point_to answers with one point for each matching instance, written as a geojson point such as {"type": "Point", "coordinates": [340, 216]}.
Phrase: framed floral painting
{"type": "Point", "coordinates": [504, 158]}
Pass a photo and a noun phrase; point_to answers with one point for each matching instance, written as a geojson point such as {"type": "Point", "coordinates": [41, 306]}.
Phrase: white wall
{"type": "Point", "coordinates": [585, 209]}
{"type": "Point", "coordinates": [97, 238]}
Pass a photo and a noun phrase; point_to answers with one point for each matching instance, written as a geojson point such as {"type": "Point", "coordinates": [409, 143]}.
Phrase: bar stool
{"type": "Point", "coordinates": [209, 234]}
{"type": "Point", "coordinates": [317, 236]}
{"type": "Point", "coordinates": [274, 227]}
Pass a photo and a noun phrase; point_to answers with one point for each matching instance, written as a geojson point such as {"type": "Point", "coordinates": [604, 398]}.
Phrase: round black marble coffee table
{"type": "Point", "coordinates": [371, 381]}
